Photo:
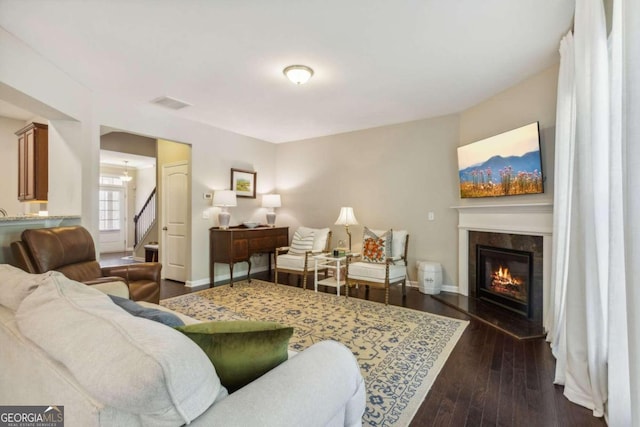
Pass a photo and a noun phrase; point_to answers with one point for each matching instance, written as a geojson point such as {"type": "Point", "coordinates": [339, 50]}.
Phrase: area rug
{"type": "Point", "coordinates": [400, 351]}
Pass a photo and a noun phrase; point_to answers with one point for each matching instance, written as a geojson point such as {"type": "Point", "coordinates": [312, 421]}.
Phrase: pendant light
{"type": "Point", "coordinates": [126, 177]}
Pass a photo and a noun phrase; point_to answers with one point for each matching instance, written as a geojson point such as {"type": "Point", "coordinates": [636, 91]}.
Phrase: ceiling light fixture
{"type": "Point", "coordinates": [126, 177]}
{"type": "Point", "coordinates": [298, 74]}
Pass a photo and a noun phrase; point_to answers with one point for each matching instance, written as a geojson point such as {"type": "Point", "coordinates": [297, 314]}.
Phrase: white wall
{"type": "Point", "coordinates": [9, 174]}
{"type": "Point", "coordinates": [392, 176]}
{"type": "Point", "coordinates": [33, 84]}
{"type": "Point", "coordinates": [74, 170]}
{"type": "Point", "coordinates": [144, 185]}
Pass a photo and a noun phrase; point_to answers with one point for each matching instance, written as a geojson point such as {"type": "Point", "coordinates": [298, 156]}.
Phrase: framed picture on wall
{"type": "Point", "coordinates": [243, 183]}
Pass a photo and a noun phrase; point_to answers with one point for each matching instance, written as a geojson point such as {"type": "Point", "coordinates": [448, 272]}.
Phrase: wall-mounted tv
{"type": "Point", "coordinates": [507, 164]}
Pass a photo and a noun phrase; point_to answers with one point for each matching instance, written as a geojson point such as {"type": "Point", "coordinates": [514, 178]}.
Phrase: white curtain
{"type": "Point", "coordinates": [624, 297]}
{"type": "Point", "coordinates": [594, 326]}
{"type": "Point", "coordinates": [555, 320]}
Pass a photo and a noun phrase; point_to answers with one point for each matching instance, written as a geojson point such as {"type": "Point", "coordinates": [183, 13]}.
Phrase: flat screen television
{"type": "Point", "coordinates": [507, 164]}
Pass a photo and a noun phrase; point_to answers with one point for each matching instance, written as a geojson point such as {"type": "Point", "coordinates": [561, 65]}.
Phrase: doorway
{"type": "Point", "coordinates": [112, 217]}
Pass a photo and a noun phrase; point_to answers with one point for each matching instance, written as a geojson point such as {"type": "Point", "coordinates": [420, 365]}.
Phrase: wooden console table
{"type": "Point", "coordinates": [237, 244]}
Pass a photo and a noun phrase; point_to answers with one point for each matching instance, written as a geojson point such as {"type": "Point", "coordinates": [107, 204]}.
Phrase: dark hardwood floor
{"type": "Point", "coordinates": [490, 379]}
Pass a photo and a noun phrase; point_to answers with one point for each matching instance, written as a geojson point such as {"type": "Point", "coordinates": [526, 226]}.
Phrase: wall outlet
{"type": "Point", "coordinates": [431, 216]}
{"type": "Point", "coordinates": [207, 196]}
{"type": "Point", "coordinates": [206, 215]}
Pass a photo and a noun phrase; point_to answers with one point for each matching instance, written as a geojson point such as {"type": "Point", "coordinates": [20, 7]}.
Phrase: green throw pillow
{"type": "Point", "coordinates": [241, 351]}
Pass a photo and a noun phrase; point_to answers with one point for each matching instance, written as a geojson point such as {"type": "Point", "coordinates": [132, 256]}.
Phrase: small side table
{"type": "Point", "coordinates": [329, 262]}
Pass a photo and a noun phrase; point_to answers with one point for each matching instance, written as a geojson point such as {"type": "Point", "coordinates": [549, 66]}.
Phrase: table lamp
{"type": "Point", "coordinates": [347, 218]}
{"type": "Point", "coordinates": [271, 201]}
{"type": "Point", "coordinates": [224, 199]}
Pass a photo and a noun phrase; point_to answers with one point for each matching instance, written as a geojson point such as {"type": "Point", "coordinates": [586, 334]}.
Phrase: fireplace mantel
{"type": "Point", "coordinates": [534, 219]}
{"type": "Point", "coordinates": [531, 218]}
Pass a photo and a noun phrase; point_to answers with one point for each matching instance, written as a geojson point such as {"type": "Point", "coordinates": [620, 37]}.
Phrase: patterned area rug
{"type": "Point", "coordinates": [400, 351]}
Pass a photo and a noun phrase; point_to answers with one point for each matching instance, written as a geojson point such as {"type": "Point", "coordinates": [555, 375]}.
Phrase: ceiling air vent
{"type": "Point", "coordinates": [167, 101]}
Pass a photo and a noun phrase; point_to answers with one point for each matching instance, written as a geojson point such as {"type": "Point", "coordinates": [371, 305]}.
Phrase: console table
{"type": "Point", "coordinates": [238, 244]}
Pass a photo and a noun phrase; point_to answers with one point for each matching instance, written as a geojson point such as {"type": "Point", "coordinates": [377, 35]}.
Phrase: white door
{"type": "Point", "coordinates": [112, 219]}
{"type": "Point", "coordinates": [175, 242]}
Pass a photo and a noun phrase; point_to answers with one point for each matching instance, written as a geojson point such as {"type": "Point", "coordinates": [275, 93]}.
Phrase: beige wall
{"type": "Point", "coordinates": [128, 143]}
{"type": "Point", "coordinates": [532, 100]}
{"type": "Point", "coordinates": [392, 176]}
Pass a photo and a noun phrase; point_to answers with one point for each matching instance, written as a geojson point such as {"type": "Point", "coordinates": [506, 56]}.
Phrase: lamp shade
{"type": "Point", "coordinates": [224, 198]}
{"type": "Point", "coordinates": [346, 217]}
{"type": "Point", "coordinates": [271, 201]}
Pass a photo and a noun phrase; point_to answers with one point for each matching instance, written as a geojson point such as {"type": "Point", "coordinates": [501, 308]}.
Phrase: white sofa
{"type": "Point", "coordinates": [62, 344]}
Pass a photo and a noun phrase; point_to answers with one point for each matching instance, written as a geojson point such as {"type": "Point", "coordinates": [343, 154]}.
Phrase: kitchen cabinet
{"type": "Point", "coordinates": [33, 162]}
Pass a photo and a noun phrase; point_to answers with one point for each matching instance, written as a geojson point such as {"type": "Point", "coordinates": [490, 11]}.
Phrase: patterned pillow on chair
{"type": "Point", "coordinates": [302, 242]}
{"type": "Point", "coordinates": [376, 248]}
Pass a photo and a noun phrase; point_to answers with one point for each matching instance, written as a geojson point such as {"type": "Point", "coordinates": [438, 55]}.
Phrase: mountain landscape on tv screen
{"type": "Point", "coordinates": [503, 176]}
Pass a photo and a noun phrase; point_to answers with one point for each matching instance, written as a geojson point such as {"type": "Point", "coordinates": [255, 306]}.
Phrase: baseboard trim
{"type": "Point", "coordinates": [197, 284]}
{"type": "Point", "coordinates": [203, 283]}
{"type": "Point", "coordinates": [446, 288]}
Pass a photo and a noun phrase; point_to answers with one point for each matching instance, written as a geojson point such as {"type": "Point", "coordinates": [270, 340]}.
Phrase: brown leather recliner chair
{"type": "Point", "coordinates": [71, 251]}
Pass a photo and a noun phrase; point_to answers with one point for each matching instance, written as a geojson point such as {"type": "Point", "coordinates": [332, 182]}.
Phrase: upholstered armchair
{"type": "Point", "coordinates": [382, 263]}
{"type": "Point", "coordinates": [71, 251]}
{"type": "Point", "coordinates": [297, 258]}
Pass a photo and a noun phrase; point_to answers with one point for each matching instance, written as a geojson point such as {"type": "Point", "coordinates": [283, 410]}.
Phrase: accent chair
{"type": "Point", "coordinates": [297, 258]}
{"type": "Point", "coordinates": [382, 263]}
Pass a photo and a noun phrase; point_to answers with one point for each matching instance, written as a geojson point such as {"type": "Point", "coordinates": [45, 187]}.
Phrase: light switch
{"type": "Point", "coordinates": [431, 216]}
{"type": "Point", "coordinates": [205, 214]}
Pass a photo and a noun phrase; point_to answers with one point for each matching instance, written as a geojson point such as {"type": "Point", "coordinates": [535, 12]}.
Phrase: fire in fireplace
{"type": "Point", "coordinates": [504, 277]}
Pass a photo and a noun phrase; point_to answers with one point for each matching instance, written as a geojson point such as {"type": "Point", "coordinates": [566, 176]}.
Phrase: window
{"type": "Point", "coordinates": [110, 201]}
{"type": "Point", "coordinates": [111, 180]}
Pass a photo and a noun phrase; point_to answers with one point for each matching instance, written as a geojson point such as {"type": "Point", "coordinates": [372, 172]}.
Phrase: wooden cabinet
{"type": "Point", "coordinates": [33, 162]}
{"type": "Point", "coordinates": [237, 244]}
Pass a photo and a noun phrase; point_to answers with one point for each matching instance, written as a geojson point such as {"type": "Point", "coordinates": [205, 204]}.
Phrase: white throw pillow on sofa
{"type": "Point", "coordinates": [132, 364]}
{"type": "Point", "coordinates": [17, 284]}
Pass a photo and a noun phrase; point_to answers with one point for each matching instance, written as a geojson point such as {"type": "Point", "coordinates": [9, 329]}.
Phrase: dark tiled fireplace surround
{"type": "Point", "coordinates": [518, 242]}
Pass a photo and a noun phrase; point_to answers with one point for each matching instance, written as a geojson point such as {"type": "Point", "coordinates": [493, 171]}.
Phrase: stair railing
{"type": "Point", "coordinates": [145, 219]}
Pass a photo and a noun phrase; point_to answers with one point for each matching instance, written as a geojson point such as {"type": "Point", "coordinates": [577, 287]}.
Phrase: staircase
{"type": "Point", "coordinates": [145, 219]}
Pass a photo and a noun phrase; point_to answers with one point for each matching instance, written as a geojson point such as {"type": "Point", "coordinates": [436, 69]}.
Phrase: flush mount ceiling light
{"type": "Point", "coordinates": [298, 74]}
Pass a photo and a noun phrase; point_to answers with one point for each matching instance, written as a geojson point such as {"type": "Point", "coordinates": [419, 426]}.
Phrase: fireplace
{"type": "Point", "coordinates": [518, 287]}
{"type": "Point", "coordinates": [504, 277]}
{"type": "Point", "coordinates": [520, 226]}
